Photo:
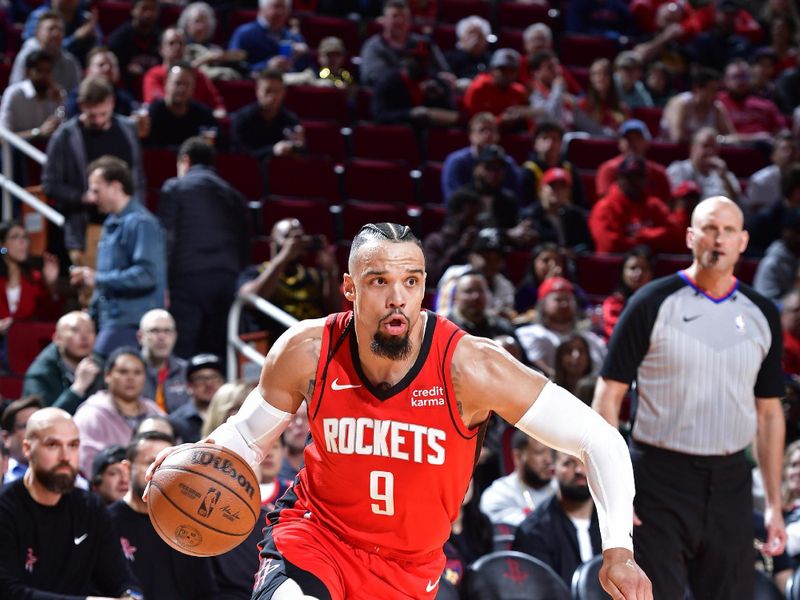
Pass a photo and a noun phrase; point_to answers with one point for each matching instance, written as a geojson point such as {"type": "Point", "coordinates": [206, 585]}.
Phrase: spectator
{"type": "Point", "coordinates": [563, 531]}
{"type": "Point", "coordinates": [331, 68]}
{"type": "Point", "coordinates": [776, 273]}
{"type": "Point", "coordinates": [110, 474]}
{"type": "Point", "coordinates": [547, 259]}
{"type": "Point", "coordinates": [173, 50]}
{"type": "Point", "coordinates": [554, 218]}
{"type": "Point", "coordinates": [295, 437]}
{"type": "Point", "coordinates": [488, 255]}
{"type": "Point", "coordinates": [790, 325]}
{"type": "Point", "coordinates": [637, 270]}
{"type": "Point", "coordinates": [33, 107]}
{"type": "Point", "coordinates": [158, 422]}
{"type": "Point", "coordinates": [130, 278]}
{"type": "Point", "coordinates": [14, 423]}
{"type": "Point", "coordinates": [80, 25]}
{"type": "Point", "coordinates": [470, 537]}
{"type": "Point", "coordinates": [97, 131]}
{"type": "Point", "coordinates": [65, 373]}
{"type": "Point", "coordinates": [667, 44]}
{"type": "Point", "coordinates": [205, 373]}
{"type": "Point", "coordinates": [63, 542]}
{"type": "Point", "coordinates": [176, 117]}
{"type": "Point", "coordinates": [764, 186]}
{"type": "Point", "coordinates": [688, 112]}
{"type": "Point", "coordinates": [511, 497]}
{"type": "Point", "coordinates": [49, 37]}
{"type": "Point", "coordinates": [202, 269]}
{"type": "Point", "coordinates": [460, 164]}
{"type": "Point", "coordinates": [469, 309]}
{"type": "Point", "coordinates": [385, 51]}
{"type": "Point", "coordinates": [498, 92]}
{"type": "Point", "coordinates": [606, 18]}
{"type": "Point", "coordinates": [558, 320]}
{"type": "Point", "coordinates": [269, 36]}
{"type": "Point", "coordinates": [225, 403]}
{"type": "Point", "coordinates": [413, 94]}
{"type": "Point", "coordinates": [634, 140]}
{"type": "Point", "coordinates": [600, 112]}
{"type": "Point", "coordinates": [546, 154]}
{"type": "Point", "coordinates": [135, 42]}
{"type": "Point", "coordinates": [705, 167]}
{"type": "Point", "coordinates": [627, 216]}
{"type": "Point", "coordinates": [305, 292]}
{"type": "Point", "coordinates": [452, 243]}
{"type": "Point", "coordinates": [162, 571]}
{"type": "Point", "coordinates": [266, 128]}
{"type": "Point", "coordinates": [716, 47]}
{"type": "Point", "coordinates": [549, 98]}
{"type": "Point", "coordinates": [628, 80]}
{"type": "Point", "coordinates": [764, 70]}
{"type": "Point", "coordinates": [26, 294]}
{"type": "Point", "coordinates": [765, 226]}
{"type": "Point", "coordinates": [111, 416]}
{"type": "Point", "coordinates": [574, 368]}
{"type": "Point", "coordinates": [102, 62]}
{"type": "Point", "coordinates": [753, 118]}
{"type": "Point", "coordinates": [165, 373]}
{"type": "Point", "coordinates": [783, 34]}
{"type": "Point", "coordinates": [198, 23]}
{"type": "Point", "coordinates": [471, 54]}
{"type": "Point", "coordinates": [536, 37]}
{"type": "Point", "coordinates": [658, 82]}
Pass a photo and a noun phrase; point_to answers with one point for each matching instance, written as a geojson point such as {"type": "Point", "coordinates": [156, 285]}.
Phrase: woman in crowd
{"type": "Point", "coordinates": [600, 111]}
{"type": "Point", "coordinates": [574, 367]}
{"type": "Point", "coordinates": [637, 269]}
{"type": "Point", "coordinates": [198, 23]}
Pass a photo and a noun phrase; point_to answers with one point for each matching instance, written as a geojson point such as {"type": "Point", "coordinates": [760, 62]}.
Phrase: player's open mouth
{"type": "Point", "coordinates": [395, 325]}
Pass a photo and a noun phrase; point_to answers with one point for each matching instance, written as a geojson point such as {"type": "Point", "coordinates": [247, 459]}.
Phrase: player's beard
{"type": "Point", "coordinates": [390, 346]}
{"type": "Point", "coordinates": [575, 492]}
{"type": "Point", "coordinates": [58, 483]}
{"type": "Point", "coordinates": [532, 478]}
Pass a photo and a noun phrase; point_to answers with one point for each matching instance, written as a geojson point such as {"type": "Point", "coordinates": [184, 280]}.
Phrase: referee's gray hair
{"type": "Point", "coordinates": [384, 232]}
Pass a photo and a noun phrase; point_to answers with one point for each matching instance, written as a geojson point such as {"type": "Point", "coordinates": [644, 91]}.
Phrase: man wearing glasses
{"type": "Point", "coordinates": [205, 373]}
{"type": "Point", "coordinates": [166, 373]}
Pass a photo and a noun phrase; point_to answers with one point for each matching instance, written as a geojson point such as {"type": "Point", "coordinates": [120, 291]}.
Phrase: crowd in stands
{"type": "Point", "coordinates": [549, 154]}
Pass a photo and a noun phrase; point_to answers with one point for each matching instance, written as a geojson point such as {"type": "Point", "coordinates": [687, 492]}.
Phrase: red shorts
{"type": "Point", "coordinates": [350, 572]}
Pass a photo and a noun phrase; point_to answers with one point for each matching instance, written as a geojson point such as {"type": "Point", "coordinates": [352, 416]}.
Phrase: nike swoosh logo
{"type": "Point", "coordinates": [336, 386]}
{"type": "Point", "coordinates": [431, 586]}
{"type": "Point", "coordinates": [78, 540]}
{"type": "Point", "coordinates": [690, 319]}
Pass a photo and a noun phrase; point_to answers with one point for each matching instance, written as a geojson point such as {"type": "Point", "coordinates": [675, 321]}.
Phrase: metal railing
{"type": "Point", "coordinates": [10, 188]}
{"type": "Point", "coordinates": [236, 344]}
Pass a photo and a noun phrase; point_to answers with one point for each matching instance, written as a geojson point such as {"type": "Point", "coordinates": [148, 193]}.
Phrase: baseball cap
{"type": "Point", "coordinates": [105, 458]}
{"type": "Point", "coordinates": [204, 361]}
{"type": "Point", "coordinates": [554, 284]}
{"type": "Point", "coordinates": [634, 125]}
{"type": "Point", "coordinates": [330, 44]}
{"type": "Point", "coordinates": [490, 239]}
{"type": "Point", "coordinates": [631, 166]}
{"type": "Point", "coordinates": [556, 174]}
{"type": "Point", "coordinates": [685, 188]}
{"type": "Point", "coordinates": [505, 57]}
{"type": "Point", "coordinates": [492, 153]}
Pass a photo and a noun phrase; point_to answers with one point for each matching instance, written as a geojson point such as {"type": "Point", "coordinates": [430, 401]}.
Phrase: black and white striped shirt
{"type": "Point", "coordinates": [699, 363]}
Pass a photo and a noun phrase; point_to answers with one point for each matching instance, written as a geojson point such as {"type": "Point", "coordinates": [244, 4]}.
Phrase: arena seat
{"type": "Point", "coordinates": [598, 274]}
{"type": "Point", "coordinates": [588, 179]}
{"type": "Point", "coordinates": [240, 16]}
{"type": "Point", "coordinates": [432, 184]}
{"type": "Point", "coordinates": [380, 181]}
{"type": "Point", "coordinates": [168, 14]}
{"type": "Point", "coordinates": [585, 582]}
{"type": "Point", "coordinates": [452, 11]}
{"type": "Point", "coordinates": [386, 142]}
{"type": "Point", "coordinates": [510, 575]}
{"type": "Point", "coordinates": [583, 50]}
{"type": "Point", "coordinates": [444, 35]}
{"type": "Point", "coordinates": [11, 386]}
{"type": "Point", "coordinates": [442, 141]}
{"type": "Point", "coordinates": [237, 93]}
{"type": "Point", "coordinates": [432, 218]}
{"type": "Point", "coordinates": [517, 145]}
{"type": "Point", "coordinates": [503, 536]}
{"type": "Point", "coordinates": [766, 588]}
{"type": "Point", "coordinates": [316, 27]}
{"type": "Point", "coordinates": [511, 38]}
{"type": "Point", "coordinates": [314, 214]}
{"type": "Point", "coordinates": [651, 117]}
{"type": "Point", "coordinates": [243, 172]}
{"type": "Point", "coordinates": [305, 177]}
{"type": "Point", "coordinates": [666, 152]}
{"type": "Point", "coordinates": [326, 138]}
{"type": "Point", "coordinates": [363, 105]}
{"type": "Point", "coordinates": [318, 103]}
{"type": "Point", "coordinates": [517, 15]}
{"type": "Point", "coordinates": [355, 213]}
{"type": "Point", "coordinates": [743, 161]}
{"type": "Point", "coordinates": [793, 586]}
{"type": "Point", "coordinates": [667, 264]}
{"type": "Point", "coordinates": [28, 339]}
{"type": "Point", "coordinates": [588, 152]}
{"type": "Point", "coordinates": [111, 14]}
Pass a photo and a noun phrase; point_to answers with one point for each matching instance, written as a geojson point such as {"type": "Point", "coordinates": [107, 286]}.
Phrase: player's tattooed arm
{"type": "Point", "coordinates": [455, 377]}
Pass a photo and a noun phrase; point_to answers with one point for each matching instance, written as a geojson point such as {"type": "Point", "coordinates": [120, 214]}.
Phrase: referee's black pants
{"type": "Point", "coordinates": [697, 525]}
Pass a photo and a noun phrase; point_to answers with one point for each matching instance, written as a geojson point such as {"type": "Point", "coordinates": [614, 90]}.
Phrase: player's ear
{"type": "Point", "coordinates": [349, 287]}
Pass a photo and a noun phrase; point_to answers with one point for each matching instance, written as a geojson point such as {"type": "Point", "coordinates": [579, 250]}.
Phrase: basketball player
{"type": "Point", "coordinates": [397, 400]}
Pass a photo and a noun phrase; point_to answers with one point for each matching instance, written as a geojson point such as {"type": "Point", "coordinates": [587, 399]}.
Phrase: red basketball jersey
{"type": "Point", "coordinates": [387, 470]}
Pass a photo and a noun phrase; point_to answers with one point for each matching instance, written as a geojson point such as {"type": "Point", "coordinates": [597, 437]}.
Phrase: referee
{"type": "Point", "coordinates": [705, 352]}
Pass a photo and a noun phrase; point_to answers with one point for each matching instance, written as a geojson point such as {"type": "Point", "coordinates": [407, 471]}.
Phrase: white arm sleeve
{"type": "Point", "coordinates": [560, 420]}
{"type": "Point", "coordinates": [253, 429]}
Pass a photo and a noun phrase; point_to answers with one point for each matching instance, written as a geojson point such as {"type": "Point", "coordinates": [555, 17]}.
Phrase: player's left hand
{"type": "Point", "coordinates": [776, 532]}
{"type": "Point", "coordinates": [622, 578]}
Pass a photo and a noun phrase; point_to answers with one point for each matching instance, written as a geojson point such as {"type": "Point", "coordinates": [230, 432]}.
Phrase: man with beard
{"type": "Point", "coordinates": [469, 310]}
{"type": "Point", "coordinates": [58, 541]}
{"type": "Point", "coordinates": [563, 531]}
{"type": "Point", "coordinates": [397, 399]}
{"type": "Point", "coordinates": [96, 132]}
{"type": "Point", "coordinates": [49, 38]}
{"type": "Point", "coordinates": [163, 572]}
{"type": "Point", "coordinates": [512, 497]}
{"type": "Point", "coordinates": [65, 373]}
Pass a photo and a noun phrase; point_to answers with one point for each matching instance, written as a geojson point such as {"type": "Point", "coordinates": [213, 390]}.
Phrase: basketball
{"type": "Point", "coordinates": [204, 500]}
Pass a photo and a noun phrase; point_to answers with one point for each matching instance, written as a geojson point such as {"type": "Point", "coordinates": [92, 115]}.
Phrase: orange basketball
{"type": "Point", "coordinates": [204, 500]}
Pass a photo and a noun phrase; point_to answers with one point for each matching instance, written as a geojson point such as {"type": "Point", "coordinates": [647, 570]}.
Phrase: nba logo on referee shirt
{"type": "Point", "coordinates": [739, 321]}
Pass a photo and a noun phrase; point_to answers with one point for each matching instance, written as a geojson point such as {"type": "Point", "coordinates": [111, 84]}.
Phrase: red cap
{"type": "Point", "coordinates": [555, 284]}
{"type": "Point", "coordinates": [686, 188]}
{"type": "Point", "coordinates": [556, 174]}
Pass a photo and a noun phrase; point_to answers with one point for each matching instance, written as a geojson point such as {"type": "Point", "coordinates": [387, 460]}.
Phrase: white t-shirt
{"type": "Point", "coordinates": [12, 295]}
{"type": "Point", "coordinates": [584, 539]}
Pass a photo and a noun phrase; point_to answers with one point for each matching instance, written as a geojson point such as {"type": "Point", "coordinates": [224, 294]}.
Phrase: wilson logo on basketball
{"type": "Point", "coordinates": [207, 505]}
{"type": "Point", "coordinates": [201, 457]}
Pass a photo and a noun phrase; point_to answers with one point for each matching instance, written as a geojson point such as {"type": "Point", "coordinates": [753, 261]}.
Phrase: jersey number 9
{"type": "Point", "coordinates": [381, 488]}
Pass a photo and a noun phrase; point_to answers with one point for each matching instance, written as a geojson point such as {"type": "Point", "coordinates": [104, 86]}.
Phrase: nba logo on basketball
{"type": "Point", "coordinates": [207, 505]}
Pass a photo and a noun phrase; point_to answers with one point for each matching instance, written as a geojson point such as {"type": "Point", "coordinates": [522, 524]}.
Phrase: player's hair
{"type": "Point", "coordinates": [384, 232]}
{"type": "Point", "coordinates": [94, 90]}
{"type": "Point", "coordinates": [121, 351]}
{"type": "Point", "coordinates": [132, 449]}
{"type": "Point", "coordinates": [113, 169]}
{"type": "Point", "coordinates": [199, 151]}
